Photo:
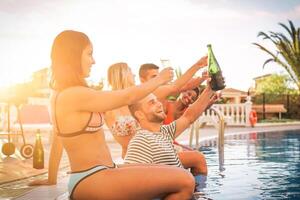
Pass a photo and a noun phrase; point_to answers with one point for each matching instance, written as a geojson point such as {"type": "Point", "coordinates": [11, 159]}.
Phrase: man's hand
{"type": "Point", "coordinates": [166, 75]}
{"type": "Point", "coordinates": [214, 98]}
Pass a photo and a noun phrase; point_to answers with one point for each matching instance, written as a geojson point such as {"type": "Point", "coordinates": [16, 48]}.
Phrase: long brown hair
{"type": "Point", "coordinates": [66, 59]}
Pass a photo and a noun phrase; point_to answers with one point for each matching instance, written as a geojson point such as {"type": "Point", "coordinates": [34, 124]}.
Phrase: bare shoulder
{"type": "Point", "coordinates": [90, 100]}
{"type": "Point", "coordinates": [78, 91]}
{"type": "Point", "coordinates": [71, 97]}
{"type": "Point", "coordinates": [78, 94]}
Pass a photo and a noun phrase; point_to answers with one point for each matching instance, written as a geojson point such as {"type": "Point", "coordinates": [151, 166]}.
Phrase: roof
{"type": "Point", "coordinates": [232, 90]}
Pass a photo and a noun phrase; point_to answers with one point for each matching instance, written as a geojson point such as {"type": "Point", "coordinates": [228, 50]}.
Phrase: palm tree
{"type": "Point", "coordinates": [287, 52]}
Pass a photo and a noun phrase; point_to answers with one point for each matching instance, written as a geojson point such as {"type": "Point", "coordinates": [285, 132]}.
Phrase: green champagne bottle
{"type": "Point", "coordinates": [217, 80]}
{"type": "Point", "coordinates": [38, 152]}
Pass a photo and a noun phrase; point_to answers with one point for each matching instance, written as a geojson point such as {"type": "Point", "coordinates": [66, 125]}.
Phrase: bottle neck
{"type": "Point", "coordinates": [38, 139]}
{"type": "Point", "coordinates": [209, 49]}
{"type": "Point", "coordinates": [213, 66]}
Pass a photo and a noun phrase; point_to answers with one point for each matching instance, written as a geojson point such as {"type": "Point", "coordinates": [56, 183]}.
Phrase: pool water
{"type": "Point", "coordinates": [257, 166]}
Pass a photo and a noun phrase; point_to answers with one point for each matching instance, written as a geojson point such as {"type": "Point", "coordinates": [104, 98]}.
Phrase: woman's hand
{"type": "Point", "coordinates": [194, 82]}
{"type": "Point", "coordinates": [165, 75]}
{"type": "Point", "coordinates": [202, 62]}
{"type": "Point", "coordinates": [205, 75]}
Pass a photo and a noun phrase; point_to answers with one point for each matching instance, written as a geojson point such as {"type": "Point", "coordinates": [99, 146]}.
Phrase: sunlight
{"type": "Point", "coordinates": [13, 75]}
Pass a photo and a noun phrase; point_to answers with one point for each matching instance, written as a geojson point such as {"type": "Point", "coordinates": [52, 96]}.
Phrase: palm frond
{"type": "Point", "coordinates": [262, 34]}
{"type": "Point", "coordinates": [287, 29]}
{"type": "Point", "coordinates": [277, 60]}
{"type": "Point", "coordinates": [265, 36]}
{"type": "Point", "coordinates": [267, 61]}
{"type": "Point", "coordinates": [297, 42]}
{"type": "Point", "coordinates": [286, 41]}
{"type": "Point", "coordinates": [265, 49]}
{"type": "Point", "coordinates": [293, 30]}
{"type": "Point", "coordinates": [287, 48]}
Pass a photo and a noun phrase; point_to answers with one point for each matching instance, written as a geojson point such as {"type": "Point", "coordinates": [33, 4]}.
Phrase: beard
{"type": "Point", "coordinates": [156, 118]}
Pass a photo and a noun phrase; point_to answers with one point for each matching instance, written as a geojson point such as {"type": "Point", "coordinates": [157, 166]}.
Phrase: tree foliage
{"type": "Point", "coordinates": [276, 84]}
{"type": "Point", "coordinates": [287, 50]}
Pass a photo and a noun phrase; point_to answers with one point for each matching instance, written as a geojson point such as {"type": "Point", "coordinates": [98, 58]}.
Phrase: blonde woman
{"type": "Point", "coordinates": [120, 122]}
{"type": "Point", "coordinates": [77, 113]}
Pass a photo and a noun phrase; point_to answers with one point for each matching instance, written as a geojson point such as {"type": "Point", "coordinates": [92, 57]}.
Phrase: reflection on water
{"type": "Point", "coordinates": [257, 166]}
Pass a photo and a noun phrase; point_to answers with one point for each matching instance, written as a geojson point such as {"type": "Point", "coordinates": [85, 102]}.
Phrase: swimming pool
{"type": "Point", "coordinates": [257, 166]}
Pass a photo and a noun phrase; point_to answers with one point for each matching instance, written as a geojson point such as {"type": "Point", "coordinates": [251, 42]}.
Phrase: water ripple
{"type": "Point", "coordinates": [267, 167]}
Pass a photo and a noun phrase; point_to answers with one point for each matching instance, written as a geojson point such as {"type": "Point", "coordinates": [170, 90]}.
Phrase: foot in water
{"type": "Point", "coordinates": [200, 182]}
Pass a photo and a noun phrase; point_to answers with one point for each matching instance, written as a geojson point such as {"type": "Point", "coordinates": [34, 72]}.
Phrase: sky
{"type": "Point", "coordinates": [140, 31]}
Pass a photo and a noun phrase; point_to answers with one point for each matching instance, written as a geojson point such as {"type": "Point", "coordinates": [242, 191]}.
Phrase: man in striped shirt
{"type": "Point", "coordinates": [153, 143]}
{"type": "Point", "coordinates": [153, 147]}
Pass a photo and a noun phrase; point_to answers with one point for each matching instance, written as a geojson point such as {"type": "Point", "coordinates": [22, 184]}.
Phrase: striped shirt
{"type": "Point", "coordinates": [153, 147]}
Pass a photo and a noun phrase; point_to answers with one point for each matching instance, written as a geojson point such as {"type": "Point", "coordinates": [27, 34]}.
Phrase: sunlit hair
{"type": "Point", "coordinates": [145, 68]}
{"type": "Point", "coordinates": [66, 55]}
{"type": "Point", "coordinates": [118, 76]}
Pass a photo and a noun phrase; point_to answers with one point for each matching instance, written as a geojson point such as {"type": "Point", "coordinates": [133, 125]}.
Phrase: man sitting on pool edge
{"type": "Point", "coordinates": [153, 143]}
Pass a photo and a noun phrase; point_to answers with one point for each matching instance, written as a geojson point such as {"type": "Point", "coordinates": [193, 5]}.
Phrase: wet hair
{"type": "Point", "coordinates": [66, 56]}
{"type": "Point", "coordinates": [145, 67]}
{"type": "Point", "coordinates": [117, 76]}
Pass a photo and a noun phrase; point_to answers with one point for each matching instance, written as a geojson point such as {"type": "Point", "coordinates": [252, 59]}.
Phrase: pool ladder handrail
{"type": "Point", "coordinates": [221, 130]}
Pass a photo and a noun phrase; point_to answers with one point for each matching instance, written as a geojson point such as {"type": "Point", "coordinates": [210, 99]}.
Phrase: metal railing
{"type": "Point", "coordinates": [220, 125]}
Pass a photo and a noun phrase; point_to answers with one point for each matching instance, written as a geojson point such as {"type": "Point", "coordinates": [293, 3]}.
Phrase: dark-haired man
{"type": "Point", "coordinates": [148, 71]}
{"type": "Point", "coordinates": [153, 143]}
{"type": "Point", "coordinates": [185, 82]}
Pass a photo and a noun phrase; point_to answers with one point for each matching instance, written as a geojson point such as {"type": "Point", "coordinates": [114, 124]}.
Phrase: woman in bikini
{"type": "Point", "coordinates": [76, 111]}
{"type": "Point", "coordinates": [120, 122]}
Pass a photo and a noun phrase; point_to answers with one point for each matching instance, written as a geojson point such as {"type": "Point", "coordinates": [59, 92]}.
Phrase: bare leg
{"type": "Point", "coordinates": [194, 160]}
{"type": "Point", "coordinates": [137, 182]}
